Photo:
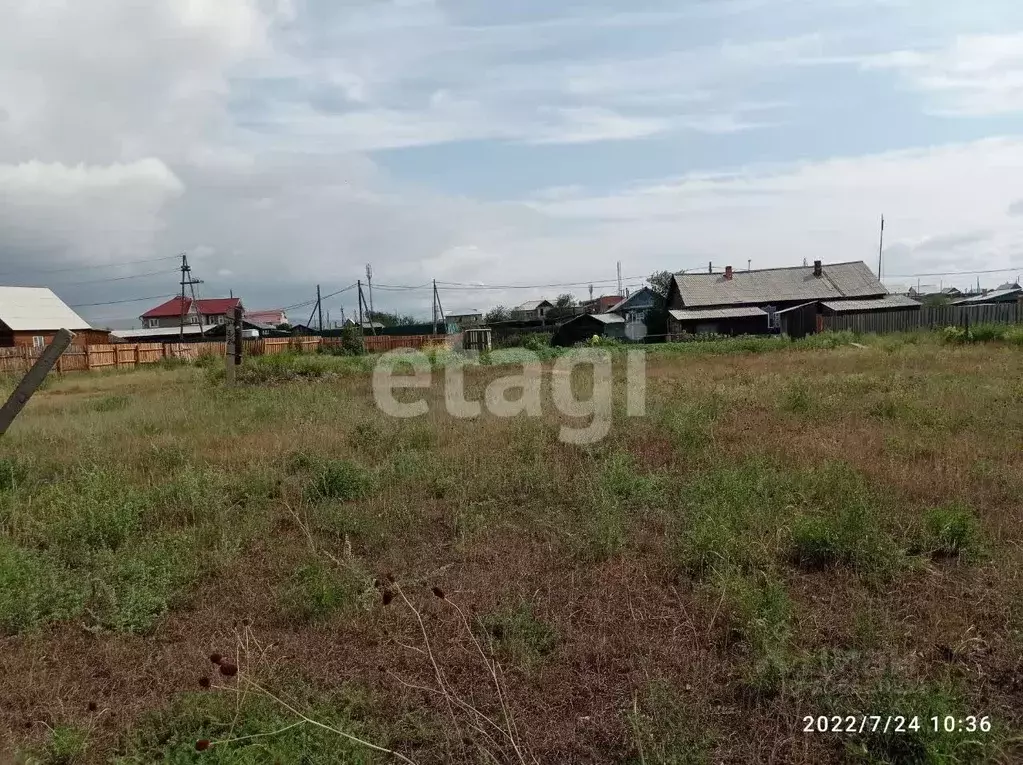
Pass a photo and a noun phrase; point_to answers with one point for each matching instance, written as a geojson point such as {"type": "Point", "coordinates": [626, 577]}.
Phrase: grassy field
{"type": "Point", "coordinates": [280, 573]}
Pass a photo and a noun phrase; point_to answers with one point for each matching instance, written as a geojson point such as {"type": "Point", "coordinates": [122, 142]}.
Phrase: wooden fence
{"type": "Point", "coordinates": [85, 358]}
{"type": "Point", "coordinates": [927, 317]}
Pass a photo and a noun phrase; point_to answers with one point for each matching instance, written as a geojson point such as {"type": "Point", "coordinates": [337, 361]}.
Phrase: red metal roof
{"type": "Point", "coordinates": [274, 317]}
{"type": "Point", "coordinates": [211, 307]}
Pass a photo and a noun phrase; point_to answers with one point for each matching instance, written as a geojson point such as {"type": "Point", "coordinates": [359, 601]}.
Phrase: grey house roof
{"type": "Point", "coordinates": [990, 297]}
{"type": "Point", "coordinates": [531, 305]}
{"type": "Point", "coordinates": [625, 303]}
{"type": "Point", "coordinates": [739, 312]}
{"type": "Point", "coordinates": [889, 301]}
{"type": "Point", "coordinates": [606, 318]}
{"type": "Point", "coordinates": [773, 285]}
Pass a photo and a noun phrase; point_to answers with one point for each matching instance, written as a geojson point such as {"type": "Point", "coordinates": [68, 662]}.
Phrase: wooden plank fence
{"type": "Point", "coordinates": [85, 358]}
{"type": "Point", "coordinates": [927, 317]}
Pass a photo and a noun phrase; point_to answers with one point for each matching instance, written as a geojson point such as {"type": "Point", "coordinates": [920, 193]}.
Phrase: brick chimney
{"type": "Point", "coordinates": [728, 273]}
{"type": "Point", "coordinates": [818, 270]}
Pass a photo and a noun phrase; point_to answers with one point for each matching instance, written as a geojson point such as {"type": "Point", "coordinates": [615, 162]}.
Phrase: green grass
{"type": "Point", "coordinates": [318, 590]}
{"type": "Point", "coordinates": [256, 730]}
{"type": "Point", "coordinates": [519, 635]}
{"type": "Point", "coordinates": [341, 480]}
{"type": "Point", "coordinates": [952, 530]}
{"type": "Point", "coordinates": [663, 729]}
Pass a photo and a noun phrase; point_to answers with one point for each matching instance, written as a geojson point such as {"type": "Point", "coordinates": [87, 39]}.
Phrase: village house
{"type": "Point", "coordinates": [600, 304]}
{"type": "Point", "coordinates": [635, 309]}
{"type": "Point", "coordinates": [1010, 292]}
{"type": "Point", "coordinates": [757, 301]}
{"type": "Point", "coordinates": [211, 311]}
{"type": "Point", "coordinates": [31, 316]}
{"type": "Point", "coordinates": [464, 320]}
{"type": "Point", "coordinates": [270, 318]}
{"type": "Point", "coordinates": [532, 310]}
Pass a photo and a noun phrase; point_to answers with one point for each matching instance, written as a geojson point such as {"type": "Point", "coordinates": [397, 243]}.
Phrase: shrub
{"type": "Point", "coordinates": [341, 479]}
{"type": "Point", "coordinates": [318, 590]}
{"type": "Point", "coordinates": [11, 473]}
{"type": "Point", "coordinates": [952, 530]}
{"type": "Point", "coordinates": [35, 589]}
{"type": "Point", "coordinates": [519, 633]}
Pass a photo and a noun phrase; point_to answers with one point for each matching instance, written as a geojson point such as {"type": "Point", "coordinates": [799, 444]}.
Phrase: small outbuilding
{"type": "Point", "coordinates": [740, 320]}
{"type": "Point", "coordinates": [587, 325]}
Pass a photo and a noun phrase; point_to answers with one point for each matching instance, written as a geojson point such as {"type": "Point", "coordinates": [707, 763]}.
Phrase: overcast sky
{"type": "Point", "coordinates": [284, 144]}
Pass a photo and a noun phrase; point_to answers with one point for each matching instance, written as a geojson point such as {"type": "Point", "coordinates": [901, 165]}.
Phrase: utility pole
{"type": "Point", "coordinates": [619, 277]}
{"type": "Point", "coordinates": [360, 305]}
{"type": "Point", "coordinates": [591, 292]}
{"type": "Point", "coordinates": [319, 308]}
{"type": "Point", "coordinates": [710, 267]}
{"type": "Point", "coordinates": [435, 306]}
{"type": "Point", "coordinates": [369, 280]}
{"type": "Point", "coordinates": [186, 281]}
{"type": "Point", "coordinates": [880, 249]}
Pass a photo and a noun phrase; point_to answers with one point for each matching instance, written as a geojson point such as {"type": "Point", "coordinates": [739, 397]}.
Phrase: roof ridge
{"type": "Point", "coordinates": [775, 268]}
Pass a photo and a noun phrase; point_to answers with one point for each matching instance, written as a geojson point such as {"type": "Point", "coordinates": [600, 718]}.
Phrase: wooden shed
{"type": "Point", "coordinates": [585, 326]}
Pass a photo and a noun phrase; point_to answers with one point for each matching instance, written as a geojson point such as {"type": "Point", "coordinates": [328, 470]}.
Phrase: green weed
{"type": "Point", "coordinates": [111, 404]}
{"type": "Point", "coordinates": [663, 729]}
{"type": "Point", "coordinates": [341, 480]}
{"type": "Point", "coordinates": [256, 730]}
{"type": "Point", "coordinates": [520, 634]}
{"type": "Point", "coordinates": [952, 530]}
{"type": "Point", "coordinates": [35, 589]}
{"type": "Point", "coordinates": [318, 590]}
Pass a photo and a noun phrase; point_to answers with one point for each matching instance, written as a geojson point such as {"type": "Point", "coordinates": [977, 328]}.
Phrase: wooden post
{"type": "Point", "coordinates": [239, 340]}
{"type": "Point", "coordinates": [229, 360]}
{"type": "Point", "coordinates": [31, 381]}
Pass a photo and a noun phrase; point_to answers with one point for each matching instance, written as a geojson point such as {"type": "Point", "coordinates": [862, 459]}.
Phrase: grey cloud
{"type": "Point", "coordinates": [1016, 208]}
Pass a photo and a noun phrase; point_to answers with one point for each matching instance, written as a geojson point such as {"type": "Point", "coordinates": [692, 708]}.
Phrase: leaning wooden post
{"type": "Point", "coordinates": [34, 378]}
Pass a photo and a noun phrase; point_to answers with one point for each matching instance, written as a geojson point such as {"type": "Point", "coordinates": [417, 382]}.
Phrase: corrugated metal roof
{"type": "Point", "coordinates": [29, 308]}
{"type": "Point", "coordinates": [206, 306]}
{"type": "Point", "coordinates": [990, 297]}
{"type": "Point", "coordinates": [608, 318]}
{"type": "Point", "coordinates": [190, 329]}
{"type": "Point", "coordinates": [890, 301]}
{"type": "Point", "coordinates": [739, 312]}
{"type": "Point", "coordinates": [771, 285]}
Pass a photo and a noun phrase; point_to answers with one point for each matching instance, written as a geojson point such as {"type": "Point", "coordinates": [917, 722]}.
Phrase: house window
{"type": "Point", "coordinates": [193, 319]}
{"type": "Point", "coordinates": [38, 341]}
{"type": "Point", "coordinates": [153, 323]}
{"type": "Point", "coordinates": [220, 320]}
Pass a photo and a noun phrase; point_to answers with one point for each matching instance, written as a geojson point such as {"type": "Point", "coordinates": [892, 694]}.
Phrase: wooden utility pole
{"type": "Point", "coordinates": [361, 327]}
{"type": "Point", "coordinates": [186, 281]}
{"type": "Point", "coordinates": [369, 281]}
{"type": "Point", "coordinates": [34, 378]}
{"type": "Point", "coordinates": [435, 306]}
{"type": "Point", "coordinates": [880, 249]}
{"type": "Point", "coordinates": [230, 350]}
{"type": "Point", "coordinates": [319, 308]}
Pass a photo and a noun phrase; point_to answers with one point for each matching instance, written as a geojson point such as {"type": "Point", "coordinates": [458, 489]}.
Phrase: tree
{"type": "Point", "coordinates": [390, 319]}
{"type": "Point", "coordinates": [564, 301]}
{"type": "Point", "coordinates": [497, 313]}
{"type": "Point", "coordinates": [660, 282]}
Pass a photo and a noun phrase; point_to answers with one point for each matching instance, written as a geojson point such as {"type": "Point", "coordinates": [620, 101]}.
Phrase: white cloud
{"type": "Point", "coordinates": [54, 213]}
{"type": "Point", "coordinates": [975, 75]}
{"type": "Point", "coordinates": [778, 215]}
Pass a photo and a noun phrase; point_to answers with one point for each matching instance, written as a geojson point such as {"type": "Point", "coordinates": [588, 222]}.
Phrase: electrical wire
{"type": "Point", "coordinates": [80, 268]}
{"type": "Point", "coordinates": [131, 300]}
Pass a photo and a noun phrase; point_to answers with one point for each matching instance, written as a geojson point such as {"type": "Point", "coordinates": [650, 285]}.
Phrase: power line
{"type": "Point", "coordinates": [118, 302]}
{"type": "Point", "coordinates": [956, 273]}
{"type": "Point", "coordinates": [121, 278]}
{"type": "Point", "coordinates": [80, 268]}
